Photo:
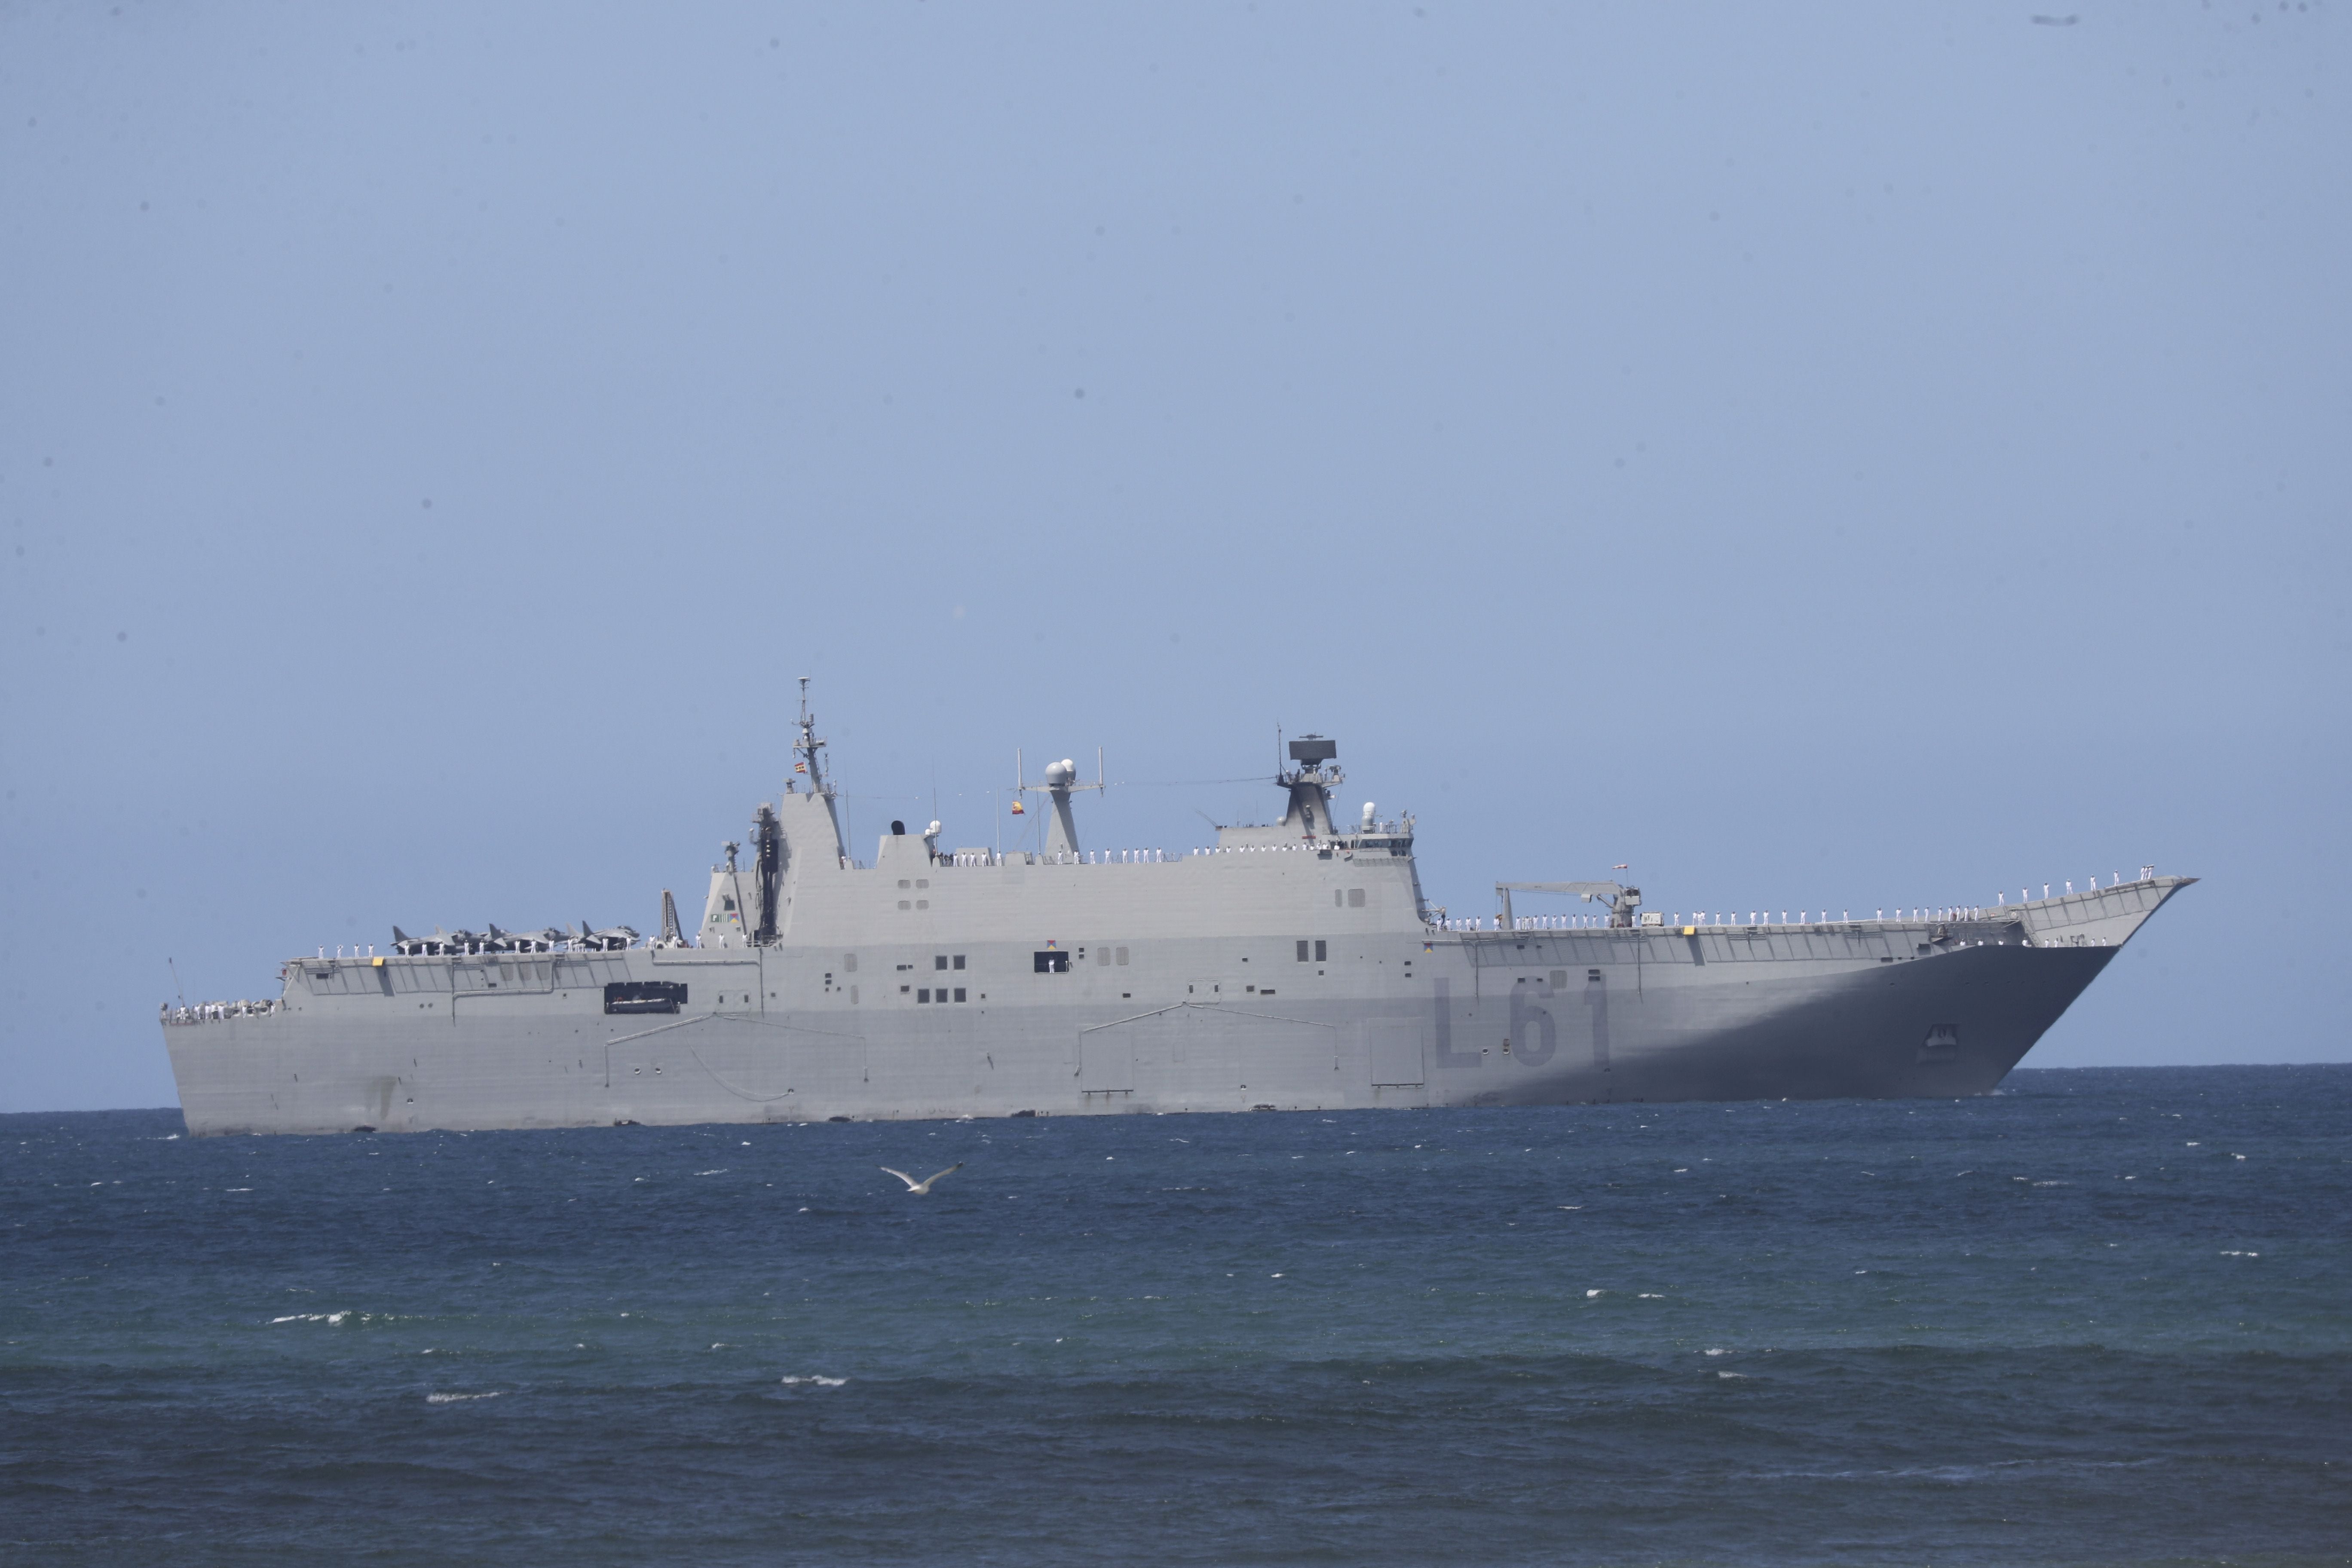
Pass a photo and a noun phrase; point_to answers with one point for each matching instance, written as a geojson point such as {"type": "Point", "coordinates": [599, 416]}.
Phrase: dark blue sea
{"type": "Point", "coordinates": [2102, 1317]}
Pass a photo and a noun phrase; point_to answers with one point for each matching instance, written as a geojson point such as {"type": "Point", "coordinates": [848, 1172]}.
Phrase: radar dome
{"type": "Point", "coordinates": [1060, 773]}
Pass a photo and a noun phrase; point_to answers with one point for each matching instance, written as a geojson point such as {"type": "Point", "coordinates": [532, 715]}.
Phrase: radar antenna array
{"type": "Point", "coordinates": [1060, 784]}
{"type": "Point", "coordinates": [1067, 781]}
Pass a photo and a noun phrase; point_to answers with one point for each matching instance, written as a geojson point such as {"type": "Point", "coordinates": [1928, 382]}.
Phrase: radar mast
{"type": "Point", "coordinates": [1061, 783]}
{"type": "Point", "coordinates": [1314, 773]}
{"type": "Point", "coordinates": [808, 746]}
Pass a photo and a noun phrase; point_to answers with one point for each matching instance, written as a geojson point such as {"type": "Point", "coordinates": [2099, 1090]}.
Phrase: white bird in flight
{"type": "Point", "coordinates": [919, 1189]}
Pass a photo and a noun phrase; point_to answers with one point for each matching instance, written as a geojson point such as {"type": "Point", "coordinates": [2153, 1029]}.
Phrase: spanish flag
{"type": "Point", "coordinates": [1019, 809]}
{"type": "Point", "coordinates": [800, 767]}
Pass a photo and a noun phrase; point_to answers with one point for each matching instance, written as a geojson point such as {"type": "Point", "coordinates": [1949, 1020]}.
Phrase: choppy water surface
{"type": "Point", "coordinates": [2103, 1316]}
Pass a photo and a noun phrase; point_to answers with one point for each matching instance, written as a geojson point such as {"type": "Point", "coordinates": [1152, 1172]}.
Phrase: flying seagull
{"type": "Point", "coordinates": [919, 1189]}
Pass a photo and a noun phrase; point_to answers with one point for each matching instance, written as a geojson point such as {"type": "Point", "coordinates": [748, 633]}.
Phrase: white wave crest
{"type": "Point", "coordinates": [454, 1398]}
{"type": "Point", "coordinates": [817, 1378]}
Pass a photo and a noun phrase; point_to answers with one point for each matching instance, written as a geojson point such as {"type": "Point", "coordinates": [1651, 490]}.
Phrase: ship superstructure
{"type": "Point", "coordinates": [1290, 966]}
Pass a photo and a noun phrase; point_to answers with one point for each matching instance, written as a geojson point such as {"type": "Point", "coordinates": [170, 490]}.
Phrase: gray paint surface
{"type": "Point", "coordinates": [1285, 969]}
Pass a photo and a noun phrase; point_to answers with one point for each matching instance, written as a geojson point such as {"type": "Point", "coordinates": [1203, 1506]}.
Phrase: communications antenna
{"type": "Point", "coordinates": [808, 744]}
{"type": "Point", "coordinates": [1061, 782]}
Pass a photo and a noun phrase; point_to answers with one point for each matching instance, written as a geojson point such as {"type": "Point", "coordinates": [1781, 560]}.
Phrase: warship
{"type": "Point", "coordinates": [1294, 966]}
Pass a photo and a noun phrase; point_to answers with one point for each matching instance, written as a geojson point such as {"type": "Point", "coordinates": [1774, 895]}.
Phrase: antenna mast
{"type": "Point", "coordinates": [1061, 783]}
{"type": "Point", "coordinates": [809, 746]}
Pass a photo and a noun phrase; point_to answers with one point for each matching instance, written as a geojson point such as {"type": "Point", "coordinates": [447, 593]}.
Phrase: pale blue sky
{"type": "Point", "coordinates": [1825, 455]}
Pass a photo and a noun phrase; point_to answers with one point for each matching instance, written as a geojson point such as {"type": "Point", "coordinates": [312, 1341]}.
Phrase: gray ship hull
{"type": "Point", "coordinates": [1326, 990]}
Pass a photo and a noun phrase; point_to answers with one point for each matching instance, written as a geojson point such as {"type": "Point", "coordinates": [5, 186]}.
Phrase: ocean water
{"type": "Point", "coordinates": [2101, 1316]}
